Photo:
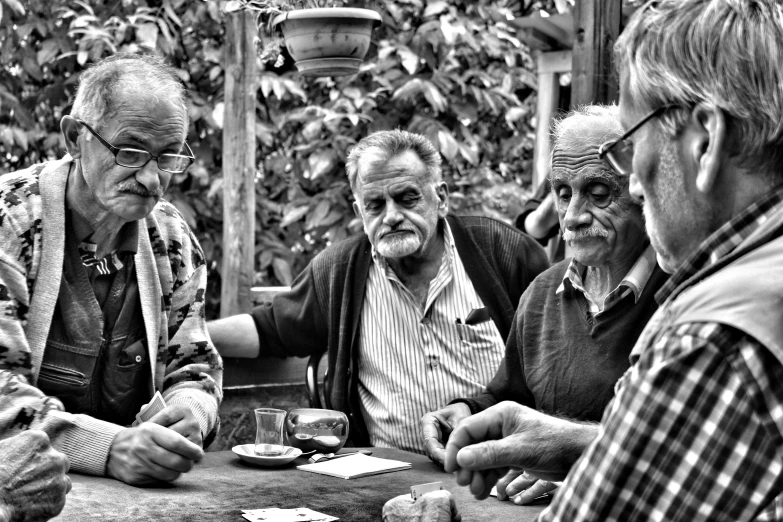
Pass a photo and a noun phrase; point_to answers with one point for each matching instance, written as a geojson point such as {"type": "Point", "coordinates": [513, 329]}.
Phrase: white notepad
{"type": "Point", "coordinates": [355, 466]}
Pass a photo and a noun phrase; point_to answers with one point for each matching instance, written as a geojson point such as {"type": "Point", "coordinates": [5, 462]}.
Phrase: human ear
{"type": "Point", "coordinates": [356, 210]}
{"type": "Point", "coordinates": [708, 139]}
{"type": "Point", "coordinates": [442, 191]}
{"type": "Point", "coordinates": [70, 129]}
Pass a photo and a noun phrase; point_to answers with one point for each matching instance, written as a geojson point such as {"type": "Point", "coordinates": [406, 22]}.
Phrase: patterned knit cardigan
{"type": "Point", "coordinates": [171, 273]}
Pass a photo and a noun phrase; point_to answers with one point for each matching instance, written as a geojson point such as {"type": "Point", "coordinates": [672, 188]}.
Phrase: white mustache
{"type": "Point", "coordinates": [386, 231]}
{"type": "Point", "coordinates": [570, 235]}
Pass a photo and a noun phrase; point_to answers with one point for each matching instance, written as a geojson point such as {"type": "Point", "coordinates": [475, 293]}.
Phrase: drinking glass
{"type": "Point", "coordinates": [269, 432]}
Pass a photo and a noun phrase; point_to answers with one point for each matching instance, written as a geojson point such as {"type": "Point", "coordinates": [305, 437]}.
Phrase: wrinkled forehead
{"type": "Point", "coordinates": [376, 166]}
{"type": "Point", "coordinates": [581, 163]}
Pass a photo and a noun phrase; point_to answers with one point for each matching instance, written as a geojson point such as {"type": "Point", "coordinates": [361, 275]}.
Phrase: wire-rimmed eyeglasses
{"type": "Point", "coordinates": [136, 158]}
{"type": "Point", "coordinates": [618, 154]}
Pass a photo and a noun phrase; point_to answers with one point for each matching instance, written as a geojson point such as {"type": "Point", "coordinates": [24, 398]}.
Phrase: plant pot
{"type": "Point", "coordinates": [329, 41]}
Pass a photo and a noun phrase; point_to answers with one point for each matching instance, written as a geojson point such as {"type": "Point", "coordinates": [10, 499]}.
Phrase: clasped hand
{"type": "Point", "coordinates": [160, 449]}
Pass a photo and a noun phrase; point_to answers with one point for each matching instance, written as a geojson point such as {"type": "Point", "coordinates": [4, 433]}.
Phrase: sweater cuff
{"type": "Point", "coordinates": [203, 406]}
{"type": "Point", "coordinates": [471, 404]}
{"type": "Point", "coordinates": [87, 443]}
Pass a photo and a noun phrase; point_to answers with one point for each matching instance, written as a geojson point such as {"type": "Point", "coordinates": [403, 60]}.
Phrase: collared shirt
{"type": "Point", "coordinates": [696, 413]}
{"type": "Point", "coordinates": [634, 281]}
{"type": "Point", "coordinates": [415, 360]}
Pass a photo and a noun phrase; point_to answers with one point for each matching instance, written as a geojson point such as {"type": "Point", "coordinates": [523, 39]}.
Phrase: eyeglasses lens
{"type": "Point", "coordinates": [620, 158]}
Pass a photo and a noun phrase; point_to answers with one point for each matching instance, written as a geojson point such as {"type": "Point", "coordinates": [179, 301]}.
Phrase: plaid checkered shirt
{"type": "Point", "coordinates": [693, 431]}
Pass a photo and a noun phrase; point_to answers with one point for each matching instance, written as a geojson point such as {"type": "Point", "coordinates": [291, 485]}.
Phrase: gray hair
{"type": "Point", "coordinates": [382, 145]}
{"type": "Point", "coordinates": [102, 85]}
{"type": "Point", "coordinates": [587, 127]}
{"type": "Point", "coordinates": [723, 53]}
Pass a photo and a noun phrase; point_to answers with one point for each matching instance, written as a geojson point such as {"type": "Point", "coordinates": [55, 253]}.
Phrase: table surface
{"type": "Point", "coordinates": [221, 486]}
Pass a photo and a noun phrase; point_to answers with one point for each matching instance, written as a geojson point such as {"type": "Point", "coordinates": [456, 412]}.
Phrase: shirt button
{"type": "Point", "coordinates": [426, 320]}
{"type": "Point", "coordinates": [138, 358]}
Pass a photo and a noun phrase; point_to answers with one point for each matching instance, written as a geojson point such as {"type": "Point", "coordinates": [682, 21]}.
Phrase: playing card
{"type": "Point", "coordinates": [417, 491]}
{"type": "Point", "coordinates": [150, 409]}
{"type": "Point", "coordinates": [286, 515]}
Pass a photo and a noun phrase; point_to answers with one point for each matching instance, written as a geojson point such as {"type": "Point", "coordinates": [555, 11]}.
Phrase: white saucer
{"type": "Point", "coordinates": [247, 453]}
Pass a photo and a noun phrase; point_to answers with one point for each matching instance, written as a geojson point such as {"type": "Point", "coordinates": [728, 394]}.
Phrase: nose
{"type": "Point", "coordinates": [150, 176]}
{"type": "Point", "coordinates": [635, 188]}
{"type": "Point", "coordinates": [576, 214]}
{"type": "Point", "coordinates": [392, 216]}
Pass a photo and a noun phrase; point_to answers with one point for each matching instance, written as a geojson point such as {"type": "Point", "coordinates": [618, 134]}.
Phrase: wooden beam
{"type": "Point", "coordinates": [239, 164]}
{"type": "Point", "coordinates": [547, 101]}
{"type": "Point", "coordinates": [554, 62]}
{"type": "Point", "coordinates": [596, 28]}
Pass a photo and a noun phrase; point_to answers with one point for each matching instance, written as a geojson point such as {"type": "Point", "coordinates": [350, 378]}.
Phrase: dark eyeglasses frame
{"type": "Point", "coordinates": [116, 150]}
{"type": "Point", "coordinates": [606, 148]}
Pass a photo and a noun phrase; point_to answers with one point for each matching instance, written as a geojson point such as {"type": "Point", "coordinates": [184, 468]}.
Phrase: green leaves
{"type": "Point", "coordinates": [452, 70]}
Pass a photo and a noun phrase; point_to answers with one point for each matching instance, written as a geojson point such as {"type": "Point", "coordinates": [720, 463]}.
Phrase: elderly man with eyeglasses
{"type": "Point", "coordinates": [695, 431]}
{"type": "Point", "coordinates": [102, 285]}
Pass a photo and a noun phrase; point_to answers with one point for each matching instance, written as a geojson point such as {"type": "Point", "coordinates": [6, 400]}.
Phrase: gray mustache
{"type": "Point", "coordinates": [569, 235]}
{"type": "Point", "coordinates": [137, 188]}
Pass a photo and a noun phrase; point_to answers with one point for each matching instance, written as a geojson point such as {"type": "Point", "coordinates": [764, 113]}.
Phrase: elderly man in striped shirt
{"type": "Point", "coordinates": [695, 431]}
{"type": "Point", "coordinates": [411, 314]}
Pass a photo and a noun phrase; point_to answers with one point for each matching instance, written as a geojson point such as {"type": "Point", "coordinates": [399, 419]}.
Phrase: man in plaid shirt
{"type": "Point", "coordinates": [695, 431]}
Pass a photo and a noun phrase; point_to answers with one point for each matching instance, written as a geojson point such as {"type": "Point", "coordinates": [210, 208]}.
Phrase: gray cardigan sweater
{"type": "Point", "coordinates": [320, 314]}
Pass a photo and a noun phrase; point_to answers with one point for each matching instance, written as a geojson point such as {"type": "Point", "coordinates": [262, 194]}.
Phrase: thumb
{"type": "Point", "coordinates": [486, 455]}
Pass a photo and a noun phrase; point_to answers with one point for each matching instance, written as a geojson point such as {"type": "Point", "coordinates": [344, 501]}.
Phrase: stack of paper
{"type": "Point", "coordinates": [355, 466]}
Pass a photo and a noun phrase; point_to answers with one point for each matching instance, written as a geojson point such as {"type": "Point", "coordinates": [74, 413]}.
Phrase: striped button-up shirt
{"type": "Point", "coordinates": [691, 434]}
{"type": "Point", "coordinates": [415, 360]}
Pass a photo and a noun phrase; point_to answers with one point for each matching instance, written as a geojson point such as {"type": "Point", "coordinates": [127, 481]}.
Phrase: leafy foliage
{"type": "Point", "coordinates": [454, 71]}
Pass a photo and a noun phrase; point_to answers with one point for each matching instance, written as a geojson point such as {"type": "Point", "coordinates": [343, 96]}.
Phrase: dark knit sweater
{"type": "Point", "coordinates": [321, 312]}
{"type": "Point", "coordinates": [561, 360]}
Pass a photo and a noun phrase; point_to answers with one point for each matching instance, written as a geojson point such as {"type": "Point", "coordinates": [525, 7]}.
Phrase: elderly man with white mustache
{"type": "Point", "coordinates": [412, 314]}
{"type": "Point", "coordinates": [577, 322]}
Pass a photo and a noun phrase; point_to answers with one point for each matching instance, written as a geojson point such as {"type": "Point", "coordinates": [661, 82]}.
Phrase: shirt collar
{"type": "Point", "coordinates": [128, 239]}
{"type": "Point", "coordinates": [723, 241]}
{"type": "Point", "coordinates": [636, 278]}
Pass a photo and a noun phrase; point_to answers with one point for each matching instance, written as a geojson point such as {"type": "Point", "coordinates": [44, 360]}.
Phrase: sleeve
{"type": "Point", "coordinates": [509, 382]}
{"type": "Point", "coordinates": [292, 325]}
{"type": "Point", "coordinates": [85, 440]}
{"type": "Point", "coordinates": [542, 191]}
{"type": "Point", "coordinates": [193, 368]}
{"type": "Point", "coordinates": [691, 434]}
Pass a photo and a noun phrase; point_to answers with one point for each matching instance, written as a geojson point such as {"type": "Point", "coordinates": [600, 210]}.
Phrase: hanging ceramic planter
{"type": "Point", "coordinates": [330, 41]}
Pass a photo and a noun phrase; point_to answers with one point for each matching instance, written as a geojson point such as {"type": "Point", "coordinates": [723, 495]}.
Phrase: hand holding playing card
{"type": "Point", "coordinates": [180, 418]}
{"type": "Point", "coordinates": [151, 453]}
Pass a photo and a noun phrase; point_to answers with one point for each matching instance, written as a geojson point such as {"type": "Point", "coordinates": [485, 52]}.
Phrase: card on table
{"type": "Point", "coordinates": [286, 515]}
{"type": "Point", "coordinates": [150, 409]}
{"type": "Point", "coordinates": [417, 491]}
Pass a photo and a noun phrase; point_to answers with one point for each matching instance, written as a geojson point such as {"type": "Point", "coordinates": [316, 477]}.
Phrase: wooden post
{"type": "Point", "coordinates": [550, 66]}
{"type": "Point", "coordinates": [239, 164]}
{"type": "Point", "coordinates": [596, 28]}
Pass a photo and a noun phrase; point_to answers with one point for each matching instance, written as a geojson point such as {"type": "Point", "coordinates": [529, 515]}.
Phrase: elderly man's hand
{"type": "Point", "coordinates": [180, 418]}
{"type": "Point", "coordinates": [150, 453]}
{"type": "Point", "coordinates": [436, 427]}
{"type": "Point", "coordinates": [435, 506]}
{"type": "Point", "coordinates": [33, 480]}
{"type": "Point", "coordinates": [485, 445]}
{"type": "Point", "coordinates": [522, 488]}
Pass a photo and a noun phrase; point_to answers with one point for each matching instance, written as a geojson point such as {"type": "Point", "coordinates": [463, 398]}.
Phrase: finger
{"type": "Point", "coordinates": [541, 487]}
{"type": "Point", "coordinates": [437, 455]}
{"type": "Point", "coordinates": [486, 455]}
{"type": "Point", "coordinates": [68, 484]}
{"type": "Point", "coordinates": [175, 443]}
{"type": "Point", "coordinates": [505, 481]}
{"type": "Point", "coordinates": [169, 415]}
{"type": "Point", "coordinates": [520, 483]}
{"type": "Point", "coordinates": [483, 487]}
{"type": "Point", "coordinates": [430, 427]}
{"type": "Point", "coordinates": [485, 425]}
{"type": "Point", "coordinates": [463, 477]}
{"type": "Point", "coordinates": [188, 429]}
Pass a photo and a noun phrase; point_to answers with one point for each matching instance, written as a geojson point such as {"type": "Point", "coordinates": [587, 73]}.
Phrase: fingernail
{"type": "Point", "coordinates": [467, 457]}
